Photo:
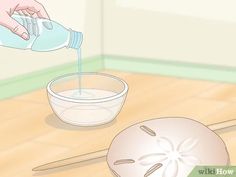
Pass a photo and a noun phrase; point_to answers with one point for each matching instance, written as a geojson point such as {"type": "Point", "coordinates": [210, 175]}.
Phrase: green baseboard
{"type": "Point", "coordinates": [171, 68]}
{"type": "Point", "coordinates": [39, 79]}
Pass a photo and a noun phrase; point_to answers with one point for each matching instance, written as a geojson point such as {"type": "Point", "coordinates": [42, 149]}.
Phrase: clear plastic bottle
{"type": "Point", "coordinates": [45, 35]}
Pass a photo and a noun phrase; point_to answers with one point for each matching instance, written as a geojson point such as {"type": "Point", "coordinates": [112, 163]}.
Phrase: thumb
{"type": "Point", "coordinates": [14, 26]}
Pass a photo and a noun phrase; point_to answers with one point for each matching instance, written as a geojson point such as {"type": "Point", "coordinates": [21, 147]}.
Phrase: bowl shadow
{"type": "Point", "coordinates": [53, 121]}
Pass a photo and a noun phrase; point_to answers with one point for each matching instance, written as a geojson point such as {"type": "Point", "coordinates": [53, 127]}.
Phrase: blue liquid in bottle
{"type": "Point", "coordinates": [42, 37]}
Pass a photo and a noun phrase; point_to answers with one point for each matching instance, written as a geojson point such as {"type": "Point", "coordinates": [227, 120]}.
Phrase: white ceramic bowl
{"type": "Point", "coordinates": [87, 99]}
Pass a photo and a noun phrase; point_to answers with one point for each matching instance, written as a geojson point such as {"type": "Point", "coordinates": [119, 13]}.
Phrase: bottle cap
{"type": "Point", "coordinates": [76, 39]}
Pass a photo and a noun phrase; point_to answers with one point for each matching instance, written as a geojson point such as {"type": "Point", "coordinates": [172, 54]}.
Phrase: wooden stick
{"type": "Point", "coordinates": [103, 153]}
{"type": "Point", "coordinates": [72, 160]}
{"type": "Point", "coordinates": [222, 125]}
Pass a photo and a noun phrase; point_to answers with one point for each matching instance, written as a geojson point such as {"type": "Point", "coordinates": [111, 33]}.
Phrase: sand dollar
{"type": "Point", "coordinates": [165, 147]}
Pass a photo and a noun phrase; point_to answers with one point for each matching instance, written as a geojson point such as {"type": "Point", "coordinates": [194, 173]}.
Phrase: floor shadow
{"type": "Point", "coordinates": [69, 167]}
{"type": "Point", "coordinates": [55, 122]}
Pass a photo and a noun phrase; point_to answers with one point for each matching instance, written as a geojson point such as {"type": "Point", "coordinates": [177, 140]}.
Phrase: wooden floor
{"type": "Point", "coordinates": [31, 135]}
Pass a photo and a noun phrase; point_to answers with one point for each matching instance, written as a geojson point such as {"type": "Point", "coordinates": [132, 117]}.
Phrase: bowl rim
{"type": "Point", "coordinates": [98, 100]}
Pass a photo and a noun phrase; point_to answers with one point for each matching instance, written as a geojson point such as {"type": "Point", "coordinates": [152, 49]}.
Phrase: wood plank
{"type": "Point", "coordinates": [25, 127]}
{"type": "Point", "coordinates": [229, 137]}
{"type": "Point", "coordinates": [14, 108]}
{"type": "Point", "coordinates": [226, 113]}
{"type": "Point", "coordinates": [38, 96]}
{"type": "Point", "coordinates": [25, 156]}
{"type": "Point", "coordinates": [198, 109]}
{"type": "Point", "coordinates": [96, 168]}
{"type": "Point", "coordinates": [224, 92]}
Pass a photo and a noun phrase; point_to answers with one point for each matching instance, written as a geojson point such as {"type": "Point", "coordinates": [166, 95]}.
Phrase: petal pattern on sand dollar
{"type": "Point", "coordinates": [171, 169]}
{"type": "Point", "coordinates": [171, 156]}
{"type": "Point", "coordinates": [165, 144]}
{"type": "Point", "coordinates": [187, 145]}
{"type": "Point", "coordinates": [189, 160]}
{"type": "Point", "coordinates": [151, 159]}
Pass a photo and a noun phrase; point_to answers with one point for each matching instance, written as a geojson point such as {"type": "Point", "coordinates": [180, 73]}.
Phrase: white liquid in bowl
{"type": "Point", "coordinates": [86, 114]}
{"type": "Point", "coordinates": [87, 94]}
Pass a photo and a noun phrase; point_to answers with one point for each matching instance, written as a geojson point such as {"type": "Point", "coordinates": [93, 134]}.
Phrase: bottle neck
{"type": "Point", "coordinates": [76, 39]}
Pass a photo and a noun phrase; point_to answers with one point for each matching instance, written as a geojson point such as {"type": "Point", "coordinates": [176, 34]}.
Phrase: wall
{"type": "Point", "coordinates": [80, 15]}
{"type": "Point", "coordinates": [207, 9]}
{"type": "Point", "coordinates": [137, 32]}
{"type": "Point", "coordinates": [134, 29]}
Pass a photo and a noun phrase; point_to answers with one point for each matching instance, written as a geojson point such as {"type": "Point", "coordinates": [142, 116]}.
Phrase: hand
{"type": "Point", "coordinates": [27, 7]}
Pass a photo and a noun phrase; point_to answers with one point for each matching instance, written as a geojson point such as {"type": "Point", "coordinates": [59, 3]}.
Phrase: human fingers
{"type": "Point", "coordinates": [14, 26]}
{"type": "Point", "coordinates": [38, 8]}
